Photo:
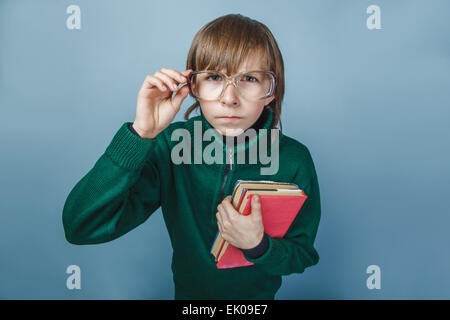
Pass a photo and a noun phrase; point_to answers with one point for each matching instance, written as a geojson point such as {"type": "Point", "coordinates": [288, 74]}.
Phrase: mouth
{"type": "Point", "coordinates": [230, 119]}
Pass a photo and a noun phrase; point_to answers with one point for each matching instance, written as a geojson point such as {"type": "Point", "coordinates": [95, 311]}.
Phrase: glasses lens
{"type": "Point", "coordinates": [255, 85]}
{"type": "Point", "coordinates": [252, 85]}
{"type": "Point", "coordinates": [207, 85]}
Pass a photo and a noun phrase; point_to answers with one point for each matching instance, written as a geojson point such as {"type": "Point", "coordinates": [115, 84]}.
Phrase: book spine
{"type": "Point", "coordinates": [214, 246]}
{"type": "Point", "coordinates": [217, 245]}
{"type": "Point", "coordinates": [222, 250]}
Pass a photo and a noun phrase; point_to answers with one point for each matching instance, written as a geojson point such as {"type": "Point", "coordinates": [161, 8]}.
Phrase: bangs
{"type": "Point", "coordinates": [225, 46]}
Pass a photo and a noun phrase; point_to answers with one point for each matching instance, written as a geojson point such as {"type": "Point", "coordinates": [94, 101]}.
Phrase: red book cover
{"type": "Point", "coordinates": [278, 212]}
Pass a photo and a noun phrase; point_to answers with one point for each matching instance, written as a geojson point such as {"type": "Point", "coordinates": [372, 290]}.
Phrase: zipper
{"type": "Point", "coordinates": [228, 168]}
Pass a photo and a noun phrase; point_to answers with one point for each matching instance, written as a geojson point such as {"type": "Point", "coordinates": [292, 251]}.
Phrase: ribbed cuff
{"type": "Point", "coordinates": [128, 149]}
{"type": "Point", "coordinates": [130, 126]}
{"type": "Point", "coordinates": [266, 256]}
{"type": "Point", "coordinates": [259, 250]}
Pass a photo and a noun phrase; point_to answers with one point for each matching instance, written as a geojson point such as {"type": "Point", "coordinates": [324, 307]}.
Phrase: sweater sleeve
{"type": "Point", "coordinates": [119, 193]}
{"type": "Point", "coordinates": [295, 251]}
{"type": "Point", "coordinates": [130, 126]}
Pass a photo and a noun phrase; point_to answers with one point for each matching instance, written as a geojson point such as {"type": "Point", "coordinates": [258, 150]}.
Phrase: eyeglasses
{"type": "Point", "coordinates": [251, 85]}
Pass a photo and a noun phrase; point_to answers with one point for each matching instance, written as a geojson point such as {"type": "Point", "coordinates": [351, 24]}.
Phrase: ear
{"type": "Point", "coordinates": [269, 100]}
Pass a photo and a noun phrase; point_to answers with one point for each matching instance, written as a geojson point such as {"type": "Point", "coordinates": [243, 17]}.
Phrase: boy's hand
{"type": "Point", "coordinates": [244, 232]}
{"type": "Point", "coordinates": [156, 108]}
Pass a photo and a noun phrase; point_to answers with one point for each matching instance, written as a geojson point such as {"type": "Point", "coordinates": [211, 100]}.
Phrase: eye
{"type": "Point", "coordinates": [250, 78]}
{"type": "Point", "coordinates": [214, 77]}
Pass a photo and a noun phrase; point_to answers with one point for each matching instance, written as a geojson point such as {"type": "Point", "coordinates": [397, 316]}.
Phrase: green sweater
{"type": "Point", "coordinates": [136, 176]}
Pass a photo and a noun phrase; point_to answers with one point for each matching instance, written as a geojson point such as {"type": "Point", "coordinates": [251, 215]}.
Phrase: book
{"type": "Point", "coordinates": [280, 204]}
{"type": "Point", "coordinates": [240, 189]}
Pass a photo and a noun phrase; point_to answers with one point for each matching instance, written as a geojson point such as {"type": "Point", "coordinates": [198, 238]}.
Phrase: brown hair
{"type": "Point", "coordinates": [226, 42]}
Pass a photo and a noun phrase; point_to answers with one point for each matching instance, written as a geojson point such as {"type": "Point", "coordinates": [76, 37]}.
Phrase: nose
{"type": "Point", "coordinates": [230, 95]}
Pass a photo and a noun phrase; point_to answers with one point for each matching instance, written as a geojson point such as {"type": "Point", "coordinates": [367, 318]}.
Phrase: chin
{"type": "Point", "coordinates": [231, 131]}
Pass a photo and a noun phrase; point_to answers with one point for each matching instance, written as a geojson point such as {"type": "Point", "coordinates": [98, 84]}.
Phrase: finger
{"type": "Point", "coordinates": [151, 82]}
{"type": "Point", "coordinates": [180, 96]}
{"type": "Point", "coordinates": [187, 72]}
{"type": "Point", "coordinates": [229, 208]}
{"type": "Point", "coordinates": [219, 221]}
{"type": "Point", "coordinates": [228, 216]}
{"type": "Point", "coordinates": [223, 214]}
{"type": "Point", "coordinates": [175, 75]}
{"type": "Point", "coordinates": [256, 205]}
{"type": "Point", "coordinates": [168, 81]}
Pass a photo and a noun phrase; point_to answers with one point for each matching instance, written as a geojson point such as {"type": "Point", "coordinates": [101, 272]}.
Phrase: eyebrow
{"type": "Point", "coordinates": [248, 70]}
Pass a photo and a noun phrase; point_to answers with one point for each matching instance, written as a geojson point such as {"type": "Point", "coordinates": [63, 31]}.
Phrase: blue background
{"type": "Point", "coordinates": [372, 106]}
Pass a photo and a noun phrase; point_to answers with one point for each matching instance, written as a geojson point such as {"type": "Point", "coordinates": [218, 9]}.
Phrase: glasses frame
{"type": "Point", "coordinates": [232, 80]}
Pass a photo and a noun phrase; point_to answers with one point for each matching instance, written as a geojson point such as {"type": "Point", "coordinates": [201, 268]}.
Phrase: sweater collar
{"type": "Point", "coordinates": [204, 151]}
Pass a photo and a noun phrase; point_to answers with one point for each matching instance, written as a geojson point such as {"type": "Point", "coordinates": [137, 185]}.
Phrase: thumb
{"type": "Point", "coordinates": [180, 96]}
{"type": "Point", "coordinates": [186, 72]}
{"type": "Point", "coordinates": [256, 205]}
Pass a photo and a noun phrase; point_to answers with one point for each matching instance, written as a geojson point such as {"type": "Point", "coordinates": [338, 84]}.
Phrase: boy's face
{"type": "Point", "coordinates": [231, 104]}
